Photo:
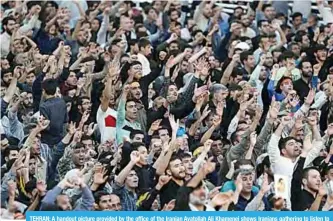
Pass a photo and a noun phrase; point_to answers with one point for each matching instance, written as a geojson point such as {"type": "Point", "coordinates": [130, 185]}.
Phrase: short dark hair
{"type": "Point", "coordinates": [80, 100]}
{"type": "Point", "coordinates": [143, 42]}
{"type": "Point", "coordinates": [86, 137]}
{"type": "Point", "coordinates": [98, 195]}
{"type": "Point", "coordinates": [300, 66]}
{"type": "Point", "coordinates": [245, 55]}
{"type": "Point", "coordinates": [136, 145]}
{"type": "Point", "coordinates": [266, 6]}
{"type": "Point", "coordinates": [283, 142]}
{"type": "Point", "coordinates": [296, 14]}
{"type": "Point", "coordinates": [7, 19]}
{"type": "Point", "coordinates": [10, 148]}
{"type": "Point", "coordinates": [135, 132]}
{"type": "Point", "coordinates": [50, 86]}
{"type": "Point", "coordinates": [261, 21]}
{"type": "Point", "coordinates": [306, 171]}
{"type": "Point", "coordinates": [287, 54]}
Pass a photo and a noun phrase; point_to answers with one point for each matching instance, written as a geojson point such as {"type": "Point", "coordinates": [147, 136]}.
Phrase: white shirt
{"type": "Point", "coordinates": [106, 122]}
{"type": "Point", "coordinates": [248, 33]}
{"type": "Point", "coordinates": [5, 44]}
{"type": "Point", "coordinates": [145, 64]}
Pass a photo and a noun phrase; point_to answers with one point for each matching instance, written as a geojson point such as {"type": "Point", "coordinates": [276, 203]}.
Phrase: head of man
{"type": "Point", "coordinates": [264, 27]}
{"type": "Point", "coordinates": [137, 136]}
{"type": "Point", "coordinates": [176, 168]}
{"type": "Point", "coordinates": [311, 179]}
{"type": "Point", "coordinates": [306, 68]}
{"type": "Point", "coordinates": [136, 91]}
{"type": "Point", "coordinates": [289, 148]}
{"type": "Point", "coordinates": [11, 152]}
{"type": "Point", "coordinates": [145, 47]}
{"type": "Point", "coordinates": [136, 70]}
{"type": "Point", "coordinates": [297, 19]}
{"type": "Point", "coordinates": [320, 53]}
{"type": "Point", "coordinates": [7, 76]}
{"type": "Point", "coordinates": [247, 59]}
{"type": "Point", "coordinates": [49, 87]}
{"type": "Point", "coordinates": [199, 195]}
{"type": "Point", "coordinates": [131, 110]}
{"type": "Point", "coordinates": [187, 162]}
{"type": "Point", "coordinates": [163, 132]}
{"type": "Point", "coordinates": [245, 170]}
{"type": "Point", "coordinates": [64, 202]}
{"type": "Point", "coordinates": [219, 92]}
{"type": "Point", "coordinates": [269, 11]}
{"type": "Point", "coordinates": [9, 25]}
{"type": "Point", "coordinates": [125, 23]}
{"type": "Point", "coordinates": [79, 156]}
{"type": "Point", "coordinates": [84, 104]}
{"type": "Point", "coordinates": [132, 180]}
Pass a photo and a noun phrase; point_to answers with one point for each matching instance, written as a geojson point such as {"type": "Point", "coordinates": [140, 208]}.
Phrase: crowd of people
{"type": "Point", "coordinates": [165, 106]}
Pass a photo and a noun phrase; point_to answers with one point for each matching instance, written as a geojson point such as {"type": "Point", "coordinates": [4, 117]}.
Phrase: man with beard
{"type": "Point", "coordinates": [247, 63]}
{"type": "Point", "coordinates": [83, 106]}
{"type": "Point", "coordinates": [176, 170]}
{"type": "Point", "coordinates": [202, 15]}
{"type": "Point", "coordinates": [193, 196]}
{"type": "Point", "coordinates": [69, 84]}
{"type": "Point", "coordinates": [307, 80]}
{"type": "Point", "coordinates": [246, 30]}
{"type": "Point", "coordinates": [8, 25]}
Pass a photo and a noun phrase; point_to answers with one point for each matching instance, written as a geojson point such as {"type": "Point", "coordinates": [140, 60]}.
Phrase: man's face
{"type": "Point", "coordinates": [88, 144]}
{"type": "Point", "coordinates": [147, 51]}
{"type": "Point", "coordinates": [32, 166]}
{"type": "Point", "coordinates": [95, 25]}
{"type": "Point", "coordinates": [86, 105]}
{"type": "Point", "coordinates": [9, 28]}
{"type": "Point", "coordinates": [307, 69]}
{"type": "Point", "coordinates": [176, 169]}
{"type": "Point", "coordinates": [188, 164]}
{"type": "Point", "coordinates": [36, 146]}
{"type": "Point", "coordinates": [172, 93]}
{"type": "Point", "coordinates": [64, 202]}
{"type": "Point", "coordinates": [237, 79]}
{"type": "Point", "coordinates": [152, 15]}
{"type": "Point", "coordinates": [200, 194]}
{"type": "Point", "coordinates": [30, 79]}
{"type": "Point", "coordinates": [3, 91]}
{"type": "Point", "coordinates": [132, 180]}
{"type": "Point", "coordinates": [125, 23]}
{"type": "Point", "coordinates": [250, 61]}
{"type": "Point", "coordinates": [72, 79]}
{"type": "Point", "coordinates": [305, 41]}
{"type": "Point", "coordinates": [173, 47]}
{"type": "Point", "coordinates": [296, 49]}
{"type": "Point", "coordinates": [297, 21]}
{"type": "Point", "coordinates": [4, 64]}
{"type": "Point", "coordinates": [137, 70]}
{"type": "Point", "coordinates": [247, 181]}
{"type": "Point", "coordinates": [138, 138]}
{"type": "Point", "coordinates": [115, 203]}
{"type": "Point", "coordinates": [269, 13]}
{"type": "Point", "coordinates": [143, 155]}
{"type": "Point", "coordinates": [79, 156]}
{"type": "Point", "coordinates": [207, 12]}
{"type": "Point", "coordinates": [245, 20]}
{"type": "Point", "coordinates": [321, 55]}
{"type": "Point", "coordinates": [263, 74]}
{"type": "Point", "coordinates": [164, 135]}
{"type": "Point", "coordinates": [217, 148]}
{"type": "Point", "coordinates": [81, 37]}
{"type": "Point", "coordinates": [264, 27]}
{"type": "Point", "coordinates": [105, 203]}
{"type": "Point", "coordinates": [174, 16]}
{"type": "Point", "coordinates": [286, 86]}
{"type": "Point", "coordinates": [7, 78]}
{"type": "Point", "coordinates": [292, 149]}
{"type": "Point", "coordinates": [13, 154]}
{"type": "Point", "coordinates": [131, 110]}
{"type": "Point", "coordinates": [28, 101]}
{"type": "Point", "coordinates": [313, 180]}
